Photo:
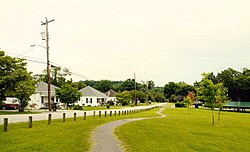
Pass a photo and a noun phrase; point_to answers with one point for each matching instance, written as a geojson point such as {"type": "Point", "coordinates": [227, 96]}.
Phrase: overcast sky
{"type": "Point", "coordinates": [159, 40]}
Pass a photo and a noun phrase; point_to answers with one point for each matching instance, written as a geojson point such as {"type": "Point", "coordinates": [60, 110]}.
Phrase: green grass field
{"type": "Point", "coordinates": [57, 137]}
{"type": "Point", "coordinates": [182, 132]}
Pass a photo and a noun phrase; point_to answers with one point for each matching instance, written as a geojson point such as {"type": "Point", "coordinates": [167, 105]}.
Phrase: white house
{"type": "Point", "coordinates": [40, 97]}
{"type": "Point", "coordinates": [92, 97]}
{"type": "Point", "coordinates": [111, 95]}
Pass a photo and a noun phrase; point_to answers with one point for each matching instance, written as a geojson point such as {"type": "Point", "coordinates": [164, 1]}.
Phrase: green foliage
{"type": "Point", "coordinates": [179, 104]}
{"type": "Point", "coordinates": [68, 94]}
{"type": "Point", "coordinates": [103, 85]}
{"type": "Point", "coordinates": [77, 107]}
{"type": "Point", "coordinates": [58, 75]}
{"type": "Point", "coordinates": [15, 80]}
{"type": "Point", "coordinates": [177, 91]}
{"type": "Point", "coordinates": [124, 98]}
{"type": "Point", "coordinates": [212, 94]}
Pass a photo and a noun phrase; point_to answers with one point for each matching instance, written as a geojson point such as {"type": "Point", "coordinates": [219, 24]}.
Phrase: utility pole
{"type": "Point", "coordinates": [48, 62]}
{"type": "Point", "coordinates": [135, 91]}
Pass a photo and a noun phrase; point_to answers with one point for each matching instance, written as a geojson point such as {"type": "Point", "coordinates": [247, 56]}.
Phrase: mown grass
{"type": "Point", "coordinates": [182, 132]}
{"type": "Point", "coordinates": [59, 136]}
{"type": "Point", "coordinates": [88, 108]}
{"type": "Point", "coordinates": [16, 112]}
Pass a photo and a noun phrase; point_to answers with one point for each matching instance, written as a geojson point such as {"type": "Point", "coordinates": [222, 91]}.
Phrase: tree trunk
{"type": "Point", "coordinates": [213, 116]}
{"type": "Point", "coordinates": [21, 108]}
{"type": "Point", "coordinates": [219, 116]}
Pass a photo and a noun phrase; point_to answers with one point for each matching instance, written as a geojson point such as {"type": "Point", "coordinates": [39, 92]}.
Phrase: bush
{"type": "Point", "coordinates": [179, 104]}
{"type": "Point", "coordinates": [77, 107]}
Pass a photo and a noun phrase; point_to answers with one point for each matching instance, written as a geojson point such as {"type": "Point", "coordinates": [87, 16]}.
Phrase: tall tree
{"type": "Point", "coordinates": [103, 85]}
{"type": "Point", "coordinates": [15, 81]}
{"type": "Point", "coordinates": [68, 94]}
{"type": "Point", "coordinates": [58, 75]}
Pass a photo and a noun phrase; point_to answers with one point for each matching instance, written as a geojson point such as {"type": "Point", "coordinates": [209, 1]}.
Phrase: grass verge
{"type": "Point", "coordinates": [17, 112]}
{"type": "Point", "coordinates": [182, 132]}
{"type": "Point", "coordinates": [68, 136]}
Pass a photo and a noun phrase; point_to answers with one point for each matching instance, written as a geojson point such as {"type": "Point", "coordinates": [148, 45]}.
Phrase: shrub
{"type": "Point", "coordinates": [179, 104]}
{"type": "Point", "coordinates": [77, 107]}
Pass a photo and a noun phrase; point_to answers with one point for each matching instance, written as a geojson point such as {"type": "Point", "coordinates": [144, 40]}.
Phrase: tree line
{"type": "Point", "coordinates": [16, 81]}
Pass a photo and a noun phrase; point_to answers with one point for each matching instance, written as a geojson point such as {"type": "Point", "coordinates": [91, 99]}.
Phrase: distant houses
{"type": "Point", "coordinates": [111, 95]}
{"type": "Point", "coordinates": [92, 97]}
{"type": "Point", "coordinates": [40, 97]}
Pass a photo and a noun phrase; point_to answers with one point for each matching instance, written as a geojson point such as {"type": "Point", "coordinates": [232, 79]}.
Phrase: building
{"type": "Point", "coordinates": [111, 95]}
{"type": "Point", "coordinates": [92, 97]}
{"type": "Point", "coordinates": [40, 98]}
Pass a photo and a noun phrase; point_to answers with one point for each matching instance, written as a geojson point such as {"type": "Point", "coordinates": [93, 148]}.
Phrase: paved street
{"type": "Point", "coordinates": [59, 114]}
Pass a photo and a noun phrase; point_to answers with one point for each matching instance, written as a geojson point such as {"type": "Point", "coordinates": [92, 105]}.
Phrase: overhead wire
{"type": "Point", "coordinates": [37, 60]}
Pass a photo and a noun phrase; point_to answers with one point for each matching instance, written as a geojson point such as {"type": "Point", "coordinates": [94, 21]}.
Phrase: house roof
{"type": "Point", "coordinates": [42, 87]}
{"type": "Point", "coordinates": [111, 93]}
{"type": "Point", "coordinates": [91, 92]}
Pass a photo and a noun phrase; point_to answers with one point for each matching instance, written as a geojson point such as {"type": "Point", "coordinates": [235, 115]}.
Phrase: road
{"type": "Point", "coordinates": [69, 114]}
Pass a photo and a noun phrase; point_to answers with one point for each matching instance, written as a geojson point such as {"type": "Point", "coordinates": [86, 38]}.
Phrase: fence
{"type": "Point", "coordinates": [120, 113]}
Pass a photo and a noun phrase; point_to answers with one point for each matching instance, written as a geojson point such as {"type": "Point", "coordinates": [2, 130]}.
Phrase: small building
{"type": "Point", "coordinates": [111, 95]}
{"type": "Point", "coordinates": [40, 97]}
{"type": "Point", "coordinates": [92, 97]}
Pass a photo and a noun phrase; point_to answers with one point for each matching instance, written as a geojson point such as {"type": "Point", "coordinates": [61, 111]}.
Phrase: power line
{"type": "Point", "coordinates": [37, 60]}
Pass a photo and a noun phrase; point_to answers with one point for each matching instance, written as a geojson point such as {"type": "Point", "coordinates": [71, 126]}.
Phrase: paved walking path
{"type": "Point", "coordinates": [59, 114]}
{"type": "Point", "coordinates": [104, 138]}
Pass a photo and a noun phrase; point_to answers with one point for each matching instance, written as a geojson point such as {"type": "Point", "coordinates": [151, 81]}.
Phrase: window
{"type": "Point", "coordinates": [90, 100]}
{"type": "Point", "coordinates": [86, 100]}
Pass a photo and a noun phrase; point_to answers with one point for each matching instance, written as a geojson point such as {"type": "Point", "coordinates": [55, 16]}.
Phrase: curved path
{"type": "Point", "coordinates": [104, 138]}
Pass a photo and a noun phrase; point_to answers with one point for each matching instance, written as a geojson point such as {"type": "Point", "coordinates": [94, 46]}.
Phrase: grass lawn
{"type": "Point", "coordinates": [182, 132]}
{"type": "Point", "coordinates": [11, 112]}
{"type": "Point", "coordinates": [57, 137]}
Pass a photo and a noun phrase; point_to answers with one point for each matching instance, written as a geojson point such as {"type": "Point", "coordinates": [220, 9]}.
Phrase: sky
{"type": "Point", "coordinates": [159, 40]}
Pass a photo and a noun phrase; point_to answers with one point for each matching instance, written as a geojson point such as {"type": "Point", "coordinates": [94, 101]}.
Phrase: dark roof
{"type": "Point", "coordinates": [111, 93]}
{"type": "Point", "coordinates": [42, 87]}
{"type": "Point", "coordinates": [91, 92]}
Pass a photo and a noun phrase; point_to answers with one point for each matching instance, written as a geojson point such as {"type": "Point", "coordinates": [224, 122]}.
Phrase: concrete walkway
{"type": "Point", "coordinates": [104, 138]}
{"type": "Point", "coordinates": [69, 114]}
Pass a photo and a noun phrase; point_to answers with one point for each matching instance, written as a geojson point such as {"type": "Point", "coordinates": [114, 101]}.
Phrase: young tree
{"type": "Point", "coordinates": [207, 92]}
{"type": "Point", "coordinates": [189, 100]}
{"type": "Point", "coordinates": [68, 94]}
{"type": "Point", "coordinates": [221, 97]}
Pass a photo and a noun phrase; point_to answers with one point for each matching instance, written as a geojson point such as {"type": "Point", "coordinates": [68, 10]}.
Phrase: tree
{"type": "Point", "coordinates": [207, 92]}
{"type": "Point", "coordinates": [68, 94]}
{"type": "Point", "coordinates": [229, 79]}
{"type": "Point", "coordinates": [189, 100]}
{"type": "Point", "coordinates": [177, 91]}
{"type": "Point", "coordinates": [221, 97]}
{"type": "Point", "coordinates": [103, 85]}
{"type": "Point", "coordinates": [15, 81]}
{"type": "Point", "coordinates": [23, 91]}
{"type": "Point", "coordinates": [211, 93]}
{"type": "Point", "coordinates": [58, 75]}
{"type": "Point", "coordinates": [124, 98]}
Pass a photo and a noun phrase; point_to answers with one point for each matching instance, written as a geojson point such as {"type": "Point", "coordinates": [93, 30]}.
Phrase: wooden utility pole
{"type": "Point", "coordinates": [48, 62]}
{"type": "Point", "coordinates": [135, 91]}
